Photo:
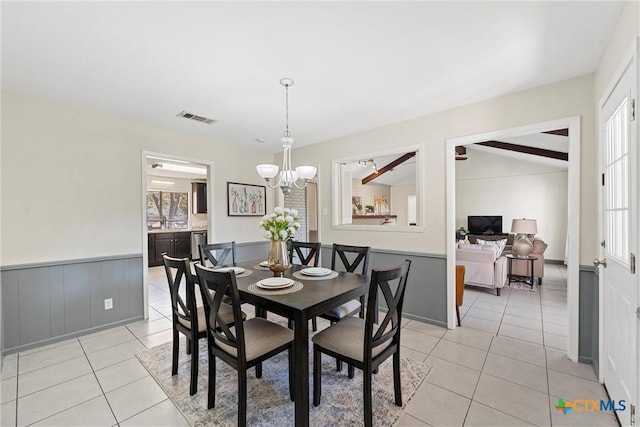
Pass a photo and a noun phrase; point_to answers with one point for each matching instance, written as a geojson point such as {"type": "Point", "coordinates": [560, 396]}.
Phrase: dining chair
{"type": "Point", "coordinates": [460, 270]}
{"type": "Point", "coordinates": [186, 314]}
{"type": "Point", "coordinates": [363, 344]}
{"type": "Point", "coordinates": [222, 250]}
{"type": "Point", "coordinates": [246, 344]}
{"type": "Point", "coordinates": [351, 258]}
{"type": "Point", "coordinates": [359, 257]}
{"type": "Point", "coordinates": [306, 252]}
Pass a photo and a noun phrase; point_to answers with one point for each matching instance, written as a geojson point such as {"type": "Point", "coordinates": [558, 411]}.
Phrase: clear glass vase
{"type": "Point", "coordinates": [278, 257]}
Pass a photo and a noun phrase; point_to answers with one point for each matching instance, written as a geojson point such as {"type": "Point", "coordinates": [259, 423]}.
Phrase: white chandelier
{"type": "Point", "coordinates": [288, 177]}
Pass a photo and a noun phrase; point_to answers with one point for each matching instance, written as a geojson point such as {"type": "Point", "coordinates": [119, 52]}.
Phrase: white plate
{"type": "Point", "coordinates": [264, 264]}
{"type": "Point", "coordinates": [238, 270]}
{"type": "Point", "coordinates": [288, 285]}
{"type": "Point", "coordinates": [275, 282]}
{"type": "Point", "coordinates": [315, 271]}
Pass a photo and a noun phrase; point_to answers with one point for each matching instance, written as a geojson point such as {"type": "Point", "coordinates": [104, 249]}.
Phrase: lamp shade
{"type": "Point", "coordinates": [306, 172]}
{"type": "Point", "coordinates": [524, 226]}
{"type": "Point", "coordinates": [267, 171]}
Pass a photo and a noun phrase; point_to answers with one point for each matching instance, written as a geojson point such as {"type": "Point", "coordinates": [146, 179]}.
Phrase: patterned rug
{"type": "Point", "coordinates": [523, 286]}
{"type": "Point", "coordinates": [268, 400]}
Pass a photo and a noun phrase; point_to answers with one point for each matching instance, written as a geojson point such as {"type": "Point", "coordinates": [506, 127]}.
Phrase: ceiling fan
{"type": "Point", "coordinates": [461, 153]}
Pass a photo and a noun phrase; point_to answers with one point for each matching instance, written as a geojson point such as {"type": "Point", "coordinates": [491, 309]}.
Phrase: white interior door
{"type": "Point", "coordinates": [619, 215]}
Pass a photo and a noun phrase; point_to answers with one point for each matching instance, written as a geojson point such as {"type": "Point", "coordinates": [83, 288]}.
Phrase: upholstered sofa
{"type": "Point", "coordinates": [522, 267]}
{"type": "Point", "coordinates": [483, 266]}
{"type": "Point", "coordinates": [472, 238]}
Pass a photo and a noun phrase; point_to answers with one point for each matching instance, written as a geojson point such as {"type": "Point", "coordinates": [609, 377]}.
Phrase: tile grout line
{"type": "Point", "coordinates": [100, 385]}
{"type": "Point", "coordinates": [17, 382]}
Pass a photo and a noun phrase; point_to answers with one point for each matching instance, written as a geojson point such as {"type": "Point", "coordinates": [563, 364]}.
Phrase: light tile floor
{"type": "Point", "coordinates": [506, 366]}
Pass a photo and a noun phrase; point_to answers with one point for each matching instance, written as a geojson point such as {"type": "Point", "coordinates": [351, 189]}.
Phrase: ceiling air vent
{"type": "Point", "coordinates": [196, 117]}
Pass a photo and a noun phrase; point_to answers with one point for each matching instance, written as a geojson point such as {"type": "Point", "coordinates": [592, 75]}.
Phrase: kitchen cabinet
{"type": "Point", "coordinates": [199, 200]}
{"type": "Point", "coordinates": [177, 245]}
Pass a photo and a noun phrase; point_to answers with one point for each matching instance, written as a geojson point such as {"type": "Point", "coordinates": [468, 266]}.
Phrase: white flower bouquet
{"type": "Point", "coordinates": [281, 224]}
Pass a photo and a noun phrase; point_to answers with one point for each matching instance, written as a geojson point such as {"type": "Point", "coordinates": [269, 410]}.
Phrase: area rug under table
{"type": "Point", "coordinates": [268, 402]}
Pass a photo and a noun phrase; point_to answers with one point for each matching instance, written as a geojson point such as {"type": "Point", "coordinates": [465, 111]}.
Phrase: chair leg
{"type": "Point", "coordinates": [194, 367]}
{"type": "Point", "coordinates": [291, 382]}
{"type": "Point", "coordinates": [498, 291]}
{"type": "Point", "coordinates": [259, 370]}
{"type": "Point", "coordinates": [314, 325]}
{"type": "Point", "coordinates": [242, 397]}
{"type": "Point", "coordinates": [338, 365]}
{"type": "Point", "coordinates": [188, 346]}
{"type": "Point", "coordinates": [458, 314]}
{"type": "Point", "coordinates": [350, 371]}
{"type": "Point", "coordinates": [317, 375]}
{"type": "Point", "coordinates": [211, 396]}
{"type": "Point", "coordinates": [366, 390]}
{"type": "Point", "coordinates": [290, 324]}
{"type": "Point", "coordinates": [174, 358]}
{"type": "Point", "coordinates": [397, 387]}
{"type": "Point", "coordinates": [539, 281]}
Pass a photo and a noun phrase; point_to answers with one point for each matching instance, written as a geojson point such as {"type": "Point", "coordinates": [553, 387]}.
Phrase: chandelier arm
{"type": "Point", "coordinates": [274, 186]}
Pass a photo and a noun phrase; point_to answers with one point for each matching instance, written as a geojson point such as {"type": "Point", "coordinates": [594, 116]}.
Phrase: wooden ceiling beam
{"type": "Point", "coordinates": [559, 132]}
{"type": "Point", "coordinates": [559, 155]}
{"type": "Point", "coordinates": [388, 167]}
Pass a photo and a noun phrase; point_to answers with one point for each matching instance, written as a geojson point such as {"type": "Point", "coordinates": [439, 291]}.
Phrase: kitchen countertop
{"type": "Point", "coordinates": [177, 230]}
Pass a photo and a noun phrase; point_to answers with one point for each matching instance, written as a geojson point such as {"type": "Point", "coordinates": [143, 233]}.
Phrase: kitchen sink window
{"type": "Point", "coordinates": [167, 209]}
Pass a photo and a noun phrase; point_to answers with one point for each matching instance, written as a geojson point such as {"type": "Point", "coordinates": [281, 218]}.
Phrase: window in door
{"type": "Point", "coordinates": [167, 209]}
{"type": "Point", "coordinates": [616, 170]}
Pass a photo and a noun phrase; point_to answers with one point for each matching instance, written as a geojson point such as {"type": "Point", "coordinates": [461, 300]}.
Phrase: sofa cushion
{"type": "Point", "coordinates": [498, 244]}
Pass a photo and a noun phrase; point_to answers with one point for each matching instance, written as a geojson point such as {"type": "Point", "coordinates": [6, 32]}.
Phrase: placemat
{"type": "Point", "coordinates": [245, 273]}
{"type": "Point", "coordinates": [299, 275]}
{"type": "Point", "coordinates": [291, 289]}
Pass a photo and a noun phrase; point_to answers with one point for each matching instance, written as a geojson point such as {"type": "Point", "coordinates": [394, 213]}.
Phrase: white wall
{"type": "Point", "coordinates": [488, 184]}
{"type": "Point", "coordinates": [569, 98]}
{"type": "Point", "coordinates": [399, 201]}
{"type": "Point", "coordinates": [627, 29]}
{"type": "Point", "coordinates": [71, 181]}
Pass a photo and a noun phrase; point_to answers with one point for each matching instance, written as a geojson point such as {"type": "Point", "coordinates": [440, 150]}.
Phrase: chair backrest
{"type": "Point", "coordinates": [460, 270]}
{"type": "Point", "coordinates": [381, 284]}
{"type": "Point", "coordinates": [209, 252]}
{"type": "Point", "coordinates": [344, 252]}
{"type": "Point", "coordinates": [221, 283]}
{"type": "Point", "coordinates": [312, 252]}
{"type": "Point", "coordinates": [178, 272]}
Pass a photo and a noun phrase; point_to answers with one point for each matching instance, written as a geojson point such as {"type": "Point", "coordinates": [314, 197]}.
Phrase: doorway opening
{"type": "Point", "coordinates": [572, 226]}
{"type": "Point", "coordinates": [177, 215]}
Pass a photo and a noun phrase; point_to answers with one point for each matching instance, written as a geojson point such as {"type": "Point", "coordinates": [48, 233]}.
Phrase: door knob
{"type": "Point", "coordinates": [602, 262]}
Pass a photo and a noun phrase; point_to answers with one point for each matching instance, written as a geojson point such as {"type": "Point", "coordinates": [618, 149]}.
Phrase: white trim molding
{"type": "Point", "coordinates": [573, 226]}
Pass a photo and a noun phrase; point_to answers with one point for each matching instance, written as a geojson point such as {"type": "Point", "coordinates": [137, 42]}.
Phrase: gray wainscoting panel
{"type": "Point", "coordinates": [589, 300]}
{"type": "Point", "coordinates": [43, 303]}
{"type": "Point", "coordinates": [426, 294]}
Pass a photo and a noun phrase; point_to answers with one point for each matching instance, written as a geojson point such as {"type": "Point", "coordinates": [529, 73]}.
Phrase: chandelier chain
{"type": "Point", "coordinates": [286, 132]}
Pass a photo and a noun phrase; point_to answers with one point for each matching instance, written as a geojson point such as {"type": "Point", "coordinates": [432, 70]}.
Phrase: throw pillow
{"type": "Point", "coordinates": [500, 244]}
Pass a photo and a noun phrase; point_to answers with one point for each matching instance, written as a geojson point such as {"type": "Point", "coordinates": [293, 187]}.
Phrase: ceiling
{"type": "Point", "coordinates": [356, 65]}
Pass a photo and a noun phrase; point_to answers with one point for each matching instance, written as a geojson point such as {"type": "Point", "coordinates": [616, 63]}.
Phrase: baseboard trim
{"type": "Point", "coordinates": [52, 340]}
{"type": "Point", "coordinates": [589, 361]}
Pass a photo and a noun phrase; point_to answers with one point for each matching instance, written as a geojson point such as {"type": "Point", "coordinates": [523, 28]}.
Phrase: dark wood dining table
{"type": "Point", "coordinates": [315, 298]}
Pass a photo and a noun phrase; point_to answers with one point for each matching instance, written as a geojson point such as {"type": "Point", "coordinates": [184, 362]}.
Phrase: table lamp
{"type": "Point", "coordinates": [525, 229]}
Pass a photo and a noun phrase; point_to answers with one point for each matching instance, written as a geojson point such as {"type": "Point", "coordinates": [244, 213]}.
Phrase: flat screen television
{"type": "Point", "coordinates": [485, 224]}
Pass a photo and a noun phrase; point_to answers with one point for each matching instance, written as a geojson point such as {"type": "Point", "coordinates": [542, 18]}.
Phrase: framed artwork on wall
{"type": "Point", "coordinates": [246, 199]}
